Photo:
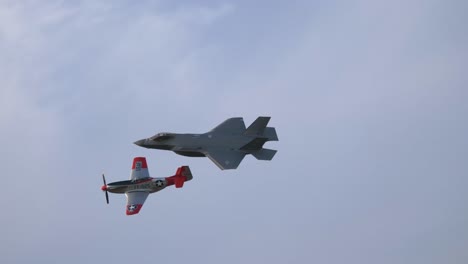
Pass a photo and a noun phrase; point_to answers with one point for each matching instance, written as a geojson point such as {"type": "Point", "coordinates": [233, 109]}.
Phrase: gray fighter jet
{"type": "Point", "coordinates": [226, 145]}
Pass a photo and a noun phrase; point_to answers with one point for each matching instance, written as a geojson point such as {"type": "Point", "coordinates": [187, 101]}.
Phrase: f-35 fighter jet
{"type": "Point", "coordinates": [226, 145]}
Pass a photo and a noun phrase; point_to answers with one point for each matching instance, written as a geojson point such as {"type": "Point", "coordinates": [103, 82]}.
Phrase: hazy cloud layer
{"type": "Point", "coordinates": [369, 99]}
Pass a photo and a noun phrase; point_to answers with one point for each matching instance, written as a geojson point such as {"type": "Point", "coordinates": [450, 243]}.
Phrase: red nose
{"type": "Point", "coordinates": [104, 188]}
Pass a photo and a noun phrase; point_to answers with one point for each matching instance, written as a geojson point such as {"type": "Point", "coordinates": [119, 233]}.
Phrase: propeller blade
{"type": "Point", "coordinates": [105, 184]}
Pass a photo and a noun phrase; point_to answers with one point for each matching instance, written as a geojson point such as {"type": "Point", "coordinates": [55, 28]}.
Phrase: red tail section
{"type": "Point", "coordinates": [182, 175]}
{"type": "Point", "coordinates": [179, 182]}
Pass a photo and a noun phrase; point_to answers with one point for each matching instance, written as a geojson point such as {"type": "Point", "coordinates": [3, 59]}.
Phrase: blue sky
{"type": "Point", "coordinates": [369, 99]}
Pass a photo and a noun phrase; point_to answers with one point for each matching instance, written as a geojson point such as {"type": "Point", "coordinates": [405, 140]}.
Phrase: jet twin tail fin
{"type": "Point", "coordinates": [258, 126]}
{"type": "Point", "coordinates": [270, 134]}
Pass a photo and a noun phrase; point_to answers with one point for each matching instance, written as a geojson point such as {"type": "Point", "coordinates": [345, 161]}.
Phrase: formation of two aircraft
{"type": "Point", "coordinates": [226, 145]}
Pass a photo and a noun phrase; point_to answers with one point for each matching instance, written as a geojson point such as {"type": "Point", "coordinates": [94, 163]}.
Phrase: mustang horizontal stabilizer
{"type": "Point", "coordinates": [182, 175]}
{"type": "Point", "coordinates": [226, 159]}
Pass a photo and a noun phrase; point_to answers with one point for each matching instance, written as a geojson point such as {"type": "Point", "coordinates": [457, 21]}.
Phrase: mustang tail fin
{"type": "Point", "coordinates": [182, 175]}
{"type": "Point", "coordinates": [264, 154]}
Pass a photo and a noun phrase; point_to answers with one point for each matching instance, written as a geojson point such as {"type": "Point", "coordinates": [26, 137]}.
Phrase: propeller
{"type": "Point", "coordinates": [104, 188]}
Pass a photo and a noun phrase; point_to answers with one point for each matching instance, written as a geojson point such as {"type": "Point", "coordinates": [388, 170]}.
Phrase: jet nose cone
{"type": "Point", "coordinates": [140, 142]}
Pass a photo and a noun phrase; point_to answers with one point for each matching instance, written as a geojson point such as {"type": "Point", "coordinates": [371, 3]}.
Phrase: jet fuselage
{"type": "Point", "coordinates": [194, 145]}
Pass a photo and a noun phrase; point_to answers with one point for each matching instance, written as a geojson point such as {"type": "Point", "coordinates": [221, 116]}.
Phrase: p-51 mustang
{"type": "Point", "coordinates": [141, 184]}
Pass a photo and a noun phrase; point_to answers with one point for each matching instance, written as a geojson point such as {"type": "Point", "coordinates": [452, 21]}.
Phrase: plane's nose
{"type": "Point", "coordinates": [140, 142]}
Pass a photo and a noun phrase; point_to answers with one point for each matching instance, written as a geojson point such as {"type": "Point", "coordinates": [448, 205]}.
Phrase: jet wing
{"type": "Point", "coordinates": [135, 201]}
{"type": "Point", "coordinates": [225, 159]}
{"type": "Point", "coordinates": [231, 125]}
{"type": "Point", "coordinates": [139, 169]}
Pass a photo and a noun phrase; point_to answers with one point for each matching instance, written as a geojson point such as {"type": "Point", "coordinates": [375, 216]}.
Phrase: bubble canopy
{"type": "Point", "coordinates": [162, 136]}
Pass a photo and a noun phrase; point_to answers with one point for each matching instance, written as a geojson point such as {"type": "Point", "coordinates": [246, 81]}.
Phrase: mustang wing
{"type": "Point", "coordinates": [135, 201]}
{"type": "Point", "coordinates": [139, 169]}
{"type": "Point", "coordinates": [225, 159]}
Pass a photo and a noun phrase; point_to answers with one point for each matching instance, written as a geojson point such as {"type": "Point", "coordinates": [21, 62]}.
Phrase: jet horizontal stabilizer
{"type": "Point", "coordinates": [255, 144]}
{"type": "Point", "coordinates": [264, 154]}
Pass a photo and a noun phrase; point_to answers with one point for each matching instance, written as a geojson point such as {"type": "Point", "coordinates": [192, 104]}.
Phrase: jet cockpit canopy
{"type": "Point", "coordinates": [162, 136]}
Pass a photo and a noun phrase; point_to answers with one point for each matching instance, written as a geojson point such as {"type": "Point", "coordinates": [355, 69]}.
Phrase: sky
{"type": "Point", "coordinates": [369, 99]}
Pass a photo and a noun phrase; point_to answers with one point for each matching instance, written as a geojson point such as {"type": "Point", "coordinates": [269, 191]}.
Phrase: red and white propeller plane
{"type": "Point", "coordinates": [141, 184]}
